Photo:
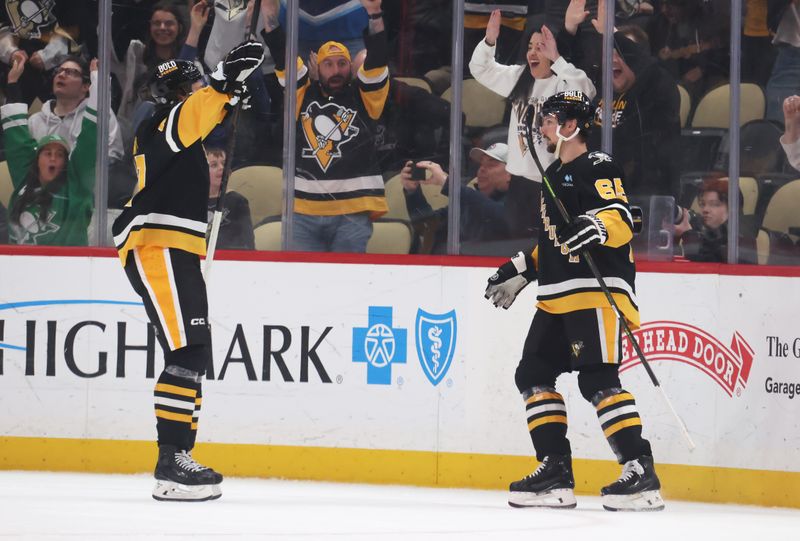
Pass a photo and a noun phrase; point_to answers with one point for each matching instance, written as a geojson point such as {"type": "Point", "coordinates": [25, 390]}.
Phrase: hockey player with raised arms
{"type": "Point", "coordinates": [160, 236]}
{"type": "Point", "coordinates": [574, 327]}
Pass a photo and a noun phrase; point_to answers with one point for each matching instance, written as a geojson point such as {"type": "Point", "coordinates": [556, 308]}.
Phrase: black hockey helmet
{"type": "Point", "coordinates": [570, 104]}
{"type": "Point", "coordinates": [172, 79]}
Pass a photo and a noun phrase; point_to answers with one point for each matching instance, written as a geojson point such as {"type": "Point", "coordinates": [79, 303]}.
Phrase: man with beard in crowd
{"type": "Point", "coordinates": [338, 182]}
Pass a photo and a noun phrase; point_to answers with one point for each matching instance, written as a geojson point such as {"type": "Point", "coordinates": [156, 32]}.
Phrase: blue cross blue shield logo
{"type": "Point", "coordinates": [436, 343]}
{"type": "Point", "coordinates": [379, 345]}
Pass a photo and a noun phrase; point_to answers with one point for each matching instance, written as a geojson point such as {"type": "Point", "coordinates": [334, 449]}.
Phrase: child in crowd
{"type": "Point", "coordinates": [236, 227]}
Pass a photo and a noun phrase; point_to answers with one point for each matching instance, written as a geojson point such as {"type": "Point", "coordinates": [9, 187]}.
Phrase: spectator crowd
{"type": "Point", "coordinates": [373, 108]}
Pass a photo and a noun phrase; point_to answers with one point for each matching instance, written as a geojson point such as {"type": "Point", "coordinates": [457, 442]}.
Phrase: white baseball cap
{"type": "Point", "coordinates": [497, 151]}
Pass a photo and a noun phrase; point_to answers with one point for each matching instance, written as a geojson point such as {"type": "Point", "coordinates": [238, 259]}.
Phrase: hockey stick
{"type": "Point", "coordinates": [603, 286]}
{"type": "Point", "coordinates": [226, 172]}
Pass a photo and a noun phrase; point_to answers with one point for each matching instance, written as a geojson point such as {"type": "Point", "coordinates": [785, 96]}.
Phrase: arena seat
{"type": "Point", "coordinates": [415, 81]}
{"type": "Point", "coordinates": [768, 185]}
{"type": "Point", "coordinates": [268, 236]}
{"type": "Point", "coordinates": [262, 185]}
{"type": "Point", "coordinates": [713, 109]}
{"type": "Point", "coordinates": [762, 247]}
{"type": "Point", "coordinates": [35, 106]}
{"type": "Point", "coordinates": [6, 185]}
{"type": "Point", "coordinates": [700, 149]}
{"type": "Point", "coordinates": [776, 248]}
{"type": "Point", "coordinates": [749, 188]}
{"type": "Point", "coordinates": [686, 105]}
{"type": "Point", "coordinates": [482, 107]}
{"type": "Point", "coordinates": [781, 213]}
{"type": "Point", "coordinates": [760, 147]}
{"type": "Point", "coordinates": [439, 79]}
{"type": "Point", "coordinates": [390, 237]}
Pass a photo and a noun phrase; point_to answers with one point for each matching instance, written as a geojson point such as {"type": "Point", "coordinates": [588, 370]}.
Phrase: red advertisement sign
{"type": "Point", "coordinates": [676, 341]}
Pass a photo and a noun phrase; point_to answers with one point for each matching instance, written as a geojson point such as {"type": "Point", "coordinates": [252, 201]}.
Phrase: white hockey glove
{"type": "Point", "coordinates": [237, 66]}
{"type": "Point", "coordinates": [584, 232]}
{"type": "Point", "coordinates": [511, 278]}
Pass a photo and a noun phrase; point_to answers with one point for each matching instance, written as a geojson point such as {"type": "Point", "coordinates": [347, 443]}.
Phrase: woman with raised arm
{"type": "Point", "coordinates": [544, 73]}
{"type": "Point", "coordinates": [53, 195]}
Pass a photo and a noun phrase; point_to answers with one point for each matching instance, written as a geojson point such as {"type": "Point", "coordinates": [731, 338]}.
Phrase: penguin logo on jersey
{"type": "Point", "coordinates": [599, 157]}
{"type": "Point", "coordinates": [30, 227]}
{"type": "Point", "coordinates": [326, 128]}
{"type": "Point", "coordinates": [523, 112]}
{"type": "Point", "coordinates": [30, 18]}
{"type": "Point", "coordinates": [229, 9]}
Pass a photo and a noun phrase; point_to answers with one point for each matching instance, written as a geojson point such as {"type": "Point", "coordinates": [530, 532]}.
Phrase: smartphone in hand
{"type": "Point", "coordinates": [417, 173]}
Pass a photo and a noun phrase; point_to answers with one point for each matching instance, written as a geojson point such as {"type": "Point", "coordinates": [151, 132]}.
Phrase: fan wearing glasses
{"type": "Point", "coordinates": [63, 115]}
{"type": "Point", "coordinates": [53, 179]}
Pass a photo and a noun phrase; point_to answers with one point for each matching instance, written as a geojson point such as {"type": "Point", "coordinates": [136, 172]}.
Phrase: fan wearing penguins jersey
{"type": "Point", "coordinates": [338, 186]}
{"type": "Point", "coordinates": [574, 327]}
{"type": "Point", "coordinates": [160, 236]}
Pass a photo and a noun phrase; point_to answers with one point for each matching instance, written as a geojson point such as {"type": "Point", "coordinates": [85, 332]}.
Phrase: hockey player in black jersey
{"type": "Point", "coordinates": [160, 236]}
{"type": "Point", "coordinates": [574, 327]}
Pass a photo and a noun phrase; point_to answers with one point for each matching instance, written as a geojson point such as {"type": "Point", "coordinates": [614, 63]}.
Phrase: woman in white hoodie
{"type": "Point", "coordinates": [526, 85]}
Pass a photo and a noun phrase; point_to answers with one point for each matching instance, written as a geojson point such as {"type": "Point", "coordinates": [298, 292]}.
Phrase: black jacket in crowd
{"type": "Point", "coordinates": [775, 12]}
{"type": "Point", "coordinates": [415, 126]}
{"type": "Point", "coordinates": [236, 226]}
{"type": "Point", "coordinates": [710, 245]}
{"type": "Point", "coordinates": [646, 125]}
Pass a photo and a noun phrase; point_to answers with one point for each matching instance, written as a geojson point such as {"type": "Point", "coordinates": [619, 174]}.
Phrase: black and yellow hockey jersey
{"type": "Point", "coordinates": [170, 207]}
{"type": "Point", "coordinates": [589, 184]}
{"type": "Point", "coordinates": [337, 169]}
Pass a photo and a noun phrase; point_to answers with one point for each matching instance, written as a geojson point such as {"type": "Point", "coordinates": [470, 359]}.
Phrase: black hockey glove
{"type": "Point", "coordinates": [237, 66]}
{"type": "Point", "coordinates": [511, 278]}
{"type": "Point", "coordinates": [585, 231]}
{"type": "Point", "coordinates": [241, 93]}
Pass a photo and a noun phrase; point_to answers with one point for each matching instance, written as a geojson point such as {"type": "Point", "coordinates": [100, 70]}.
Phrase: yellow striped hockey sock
{"type": "Point", "coordinates": [621, 424]}
{"type": "Point", "coordinates": [198, 402]}
{"type": "Point", "coordinates": [176, 407]}
{"type": "Point", "coordinates": [547, 421]}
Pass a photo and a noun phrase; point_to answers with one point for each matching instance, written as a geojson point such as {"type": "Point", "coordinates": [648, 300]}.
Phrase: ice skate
{"type": "Point", "coordinates": [550, 485]}
{"type": "Point", "coordinates": [637, 489]}
{"type": "Point", "coordinates": [180, 478]}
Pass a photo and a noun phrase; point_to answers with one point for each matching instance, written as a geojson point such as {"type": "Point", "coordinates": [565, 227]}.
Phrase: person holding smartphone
{"type": "Point", "coordinates": [497, 206]}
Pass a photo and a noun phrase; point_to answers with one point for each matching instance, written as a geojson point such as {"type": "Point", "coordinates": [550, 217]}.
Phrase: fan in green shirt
{"type": "Point", "coordinates": [53, 195]}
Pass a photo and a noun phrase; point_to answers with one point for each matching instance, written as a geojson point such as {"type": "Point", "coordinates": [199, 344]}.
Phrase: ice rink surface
{"type": "Point", "coordinates": [39, 505]}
